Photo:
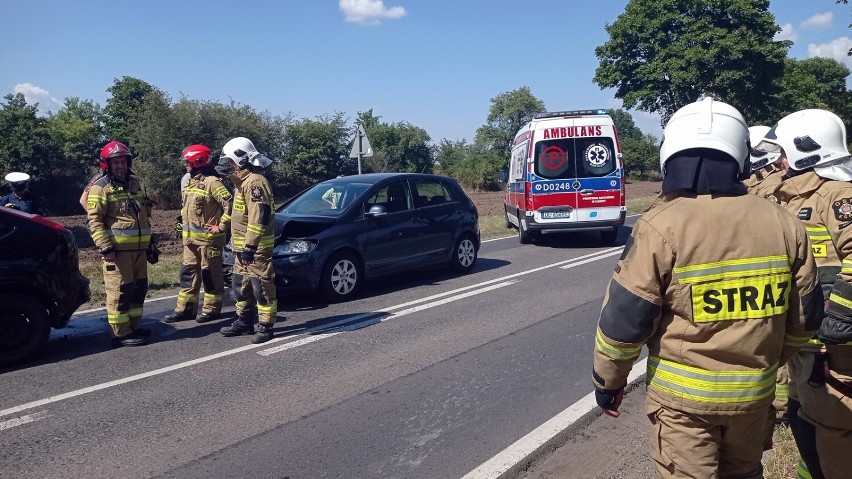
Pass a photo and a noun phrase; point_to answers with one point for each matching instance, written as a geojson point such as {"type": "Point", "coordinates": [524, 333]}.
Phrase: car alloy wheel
{"type": "Point", "coordinates": [464, 254]}
{"type": "Point", "coordinates": [341, 277]}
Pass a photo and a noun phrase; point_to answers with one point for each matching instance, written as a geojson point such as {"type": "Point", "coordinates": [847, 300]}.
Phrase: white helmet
{"type": "Point", "coordinates": [811, 139]}
{"type": "Point", "coordinates": [242, 151]}
{"type": "Point", "coordinates": [707, 123]}
{"type": "Point", "coordinates": [759, 158]}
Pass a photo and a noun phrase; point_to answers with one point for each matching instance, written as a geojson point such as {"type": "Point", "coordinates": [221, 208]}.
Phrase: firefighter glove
{"type": "Point", "coordinates": [609, 399]}
{"type": "Point", "coordinates": [247, 256]}
{"type": "Point", "coordinates": [152, 254]}
{"type": "Point", "coordinates": [836, 329]}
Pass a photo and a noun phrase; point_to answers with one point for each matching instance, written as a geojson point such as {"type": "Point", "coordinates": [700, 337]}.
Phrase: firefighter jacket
{"type": "Point", "coordinates": [719, 313]}
{"type": "Point", "coordinates": [764, 181]}
{"type": "Point", "coordinates": [118, 215]}
{"type": "Point", "coordinates": [251, 218]}
{"type": "Point", "coordinates": [205, 200]}
{"type": "Point", "coordinates": [825, 207]}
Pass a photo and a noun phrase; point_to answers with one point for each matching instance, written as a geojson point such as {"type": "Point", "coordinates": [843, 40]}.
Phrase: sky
{"type": "Point", "coordinates": [435, 64]}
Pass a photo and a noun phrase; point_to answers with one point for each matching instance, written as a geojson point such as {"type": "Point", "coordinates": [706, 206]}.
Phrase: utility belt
{"type": "Point", "coordinates": [821, 375]}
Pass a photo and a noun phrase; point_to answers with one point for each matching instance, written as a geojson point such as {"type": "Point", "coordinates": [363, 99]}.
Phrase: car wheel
{"type": "Point", "coordinates": [24, 327]}
{"type": "Point", "coordinates": [609, 236]}
{"type": "Point", "coordinates": [464, 254]}
{"type": "Point", "coordinates": [524, 236]}
{"type": "Point", "coordinates": [341, 278]}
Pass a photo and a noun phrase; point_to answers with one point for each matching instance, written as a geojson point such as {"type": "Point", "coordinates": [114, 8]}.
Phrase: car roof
{"type": "Point", "coordinates": [373, 178]}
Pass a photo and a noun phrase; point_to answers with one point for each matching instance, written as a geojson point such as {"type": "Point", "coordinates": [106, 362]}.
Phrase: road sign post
{"type": "Point", "coordinates": [360, 146]}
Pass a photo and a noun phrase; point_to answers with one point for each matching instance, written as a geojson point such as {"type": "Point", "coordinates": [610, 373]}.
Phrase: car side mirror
{"type": "Point", "coordinates": [377, 210]}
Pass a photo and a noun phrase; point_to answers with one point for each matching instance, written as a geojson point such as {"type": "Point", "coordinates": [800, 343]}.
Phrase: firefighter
{"type": "Point", "coordinates": [765, 174]}
{"type": "Point", "coordinates": [251, 223]}
{"type": "Point", "coordinates": [118, 217]}
{"type": "Point", "coordinates": [810, 146]}
{"type": "Point", "coordinates": [205, 200]}
{"type": "Point", "coordinates": [718, 317]}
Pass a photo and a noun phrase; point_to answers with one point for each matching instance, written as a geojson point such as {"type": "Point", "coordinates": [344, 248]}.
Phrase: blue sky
{"type": "Point", "coordinates": [433, 63]}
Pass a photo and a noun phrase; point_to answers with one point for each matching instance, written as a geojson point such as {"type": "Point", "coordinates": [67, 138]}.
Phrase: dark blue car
{"type": "Point", "coordinates": [335, 235]}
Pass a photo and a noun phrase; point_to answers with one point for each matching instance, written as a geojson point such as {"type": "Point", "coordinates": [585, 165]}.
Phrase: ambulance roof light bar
{"type": "Point", "coordinates": [556, 114]}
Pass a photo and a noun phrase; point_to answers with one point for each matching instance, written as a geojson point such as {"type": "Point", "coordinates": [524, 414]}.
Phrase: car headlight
{"type": "Point", "coordinates": [296, 247]}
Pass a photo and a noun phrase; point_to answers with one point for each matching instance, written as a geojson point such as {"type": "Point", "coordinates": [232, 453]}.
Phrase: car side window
{"type": "Point", "coordinates": [394, 197]}
{"type": "Point", "coordinates": [431, 192]}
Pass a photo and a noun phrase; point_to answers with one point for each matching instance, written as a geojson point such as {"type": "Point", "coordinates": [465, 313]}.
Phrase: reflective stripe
{"type": "Point", "coordinates": [730, 269]}
{"type": "Point", "coordinates": [836, 298]}
{"type": "Point", "coordinates": [802, 471]}
{"type": "Point", "coordinates": [613, 351]}
{"type": "Point", "coordinates": [221, 192]}
{"type": "Point", "coordinates": [119, 318]}
{"type": "Point", "coordinates": [781, 392]}
{"type": "Point", "coordinates": [269, 308]}
{"type": "Point", "coordinates": [255, 228]}
{"type": "Point", "coordinates": [187, 297]}
{"type": "Point", "coordinates": [212, 298]}
{"type": "Point", "coordinates": [198, 192]}
{"type": "Point", "coordinates": [226, 217]}
{"type": "Point", "coordinates": [818, 233]}
{"type": "Point", "coordinates": [846, 266]}
{"type": "Point", "coordinates": [702, 385]}
{"type": "Point", "coordinates": [135, 312]}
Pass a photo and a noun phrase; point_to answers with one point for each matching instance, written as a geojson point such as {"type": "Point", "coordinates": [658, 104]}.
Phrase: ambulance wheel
{"type": "Point", "coordinates": [464, 254]}
{"type": "Point", "coordinates": [609, 236]}
{"type": "Point", "coordinates": [24, 327]}
{"type": "Point", "coordinates": [524, 236]}
{"type": "Point", "coordinates": [341, 278]}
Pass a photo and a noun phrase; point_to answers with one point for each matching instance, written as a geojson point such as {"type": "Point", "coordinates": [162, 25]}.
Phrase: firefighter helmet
{"type": "Point", "coordinates": [114, 149]}
{"type": "Point", "coordinates": [706, 123]}
{"type": "Point", "coordinates": [197, 155]}
{"type": "Point", "coordinates": [759, 159]}
{"type": "Point", "coordinates": [811, 139]}
{"type": "Point", "coordinates": [242, 152]}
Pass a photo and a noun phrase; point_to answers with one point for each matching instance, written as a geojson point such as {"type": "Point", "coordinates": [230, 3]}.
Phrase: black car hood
{"type": "Point", "coordinates": [300, 226]}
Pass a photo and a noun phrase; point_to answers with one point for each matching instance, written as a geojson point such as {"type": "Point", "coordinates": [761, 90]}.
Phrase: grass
{"type": "Point", "coordinates": [781, 461]}
{"type": "Point", "coordinates": [162, 277]}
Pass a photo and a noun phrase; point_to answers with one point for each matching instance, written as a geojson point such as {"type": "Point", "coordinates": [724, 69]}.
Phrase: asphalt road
{"type": "Point", "coordinates": [427, 375]}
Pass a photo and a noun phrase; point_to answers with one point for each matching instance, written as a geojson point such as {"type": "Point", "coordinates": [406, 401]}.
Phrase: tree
{"type": "Point", "coordinates": [399, 147]}
{"type": "Point", "coordinates": [624, 124]}
{"type": "Point", "coordinates": [26, 144]}
{"type": "Point", "coordinates": [641, 156]}
{"type": "Point", "coordinates": [124, 107]}
{"type": "Point", "coordinates": [508, 113]}
{"type": "Point", "coordinates": [663, 54]}
{"type": "Point", "coordinates": [811, 83]}
{"type": "Point", "coordinates": [315, 150]}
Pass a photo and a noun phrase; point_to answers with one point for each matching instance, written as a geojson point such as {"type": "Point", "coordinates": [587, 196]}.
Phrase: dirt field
{"type": "Point", "coordinates": [163, 221]}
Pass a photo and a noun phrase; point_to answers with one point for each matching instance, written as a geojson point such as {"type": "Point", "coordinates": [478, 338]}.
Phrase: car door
{"type": "Point", "coordinates": [438, 210]}
{"type": "Point", "coordinates": [390, 241]}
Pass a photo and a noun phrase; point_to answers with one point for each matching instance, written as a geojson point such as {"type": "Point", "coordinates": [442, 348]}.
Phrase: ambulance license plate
{"type": "Point", "coordinates": [555, 214]}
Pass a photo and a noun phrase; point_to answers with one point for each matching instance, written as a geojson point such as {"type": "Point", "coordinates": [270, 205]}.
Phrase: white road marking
{"type": "Point", "coordinates": [79, 392]}
{"type": "Point", "coordinates": [17, 421]}
{"type": "Point", "coordinates": [527, 445]}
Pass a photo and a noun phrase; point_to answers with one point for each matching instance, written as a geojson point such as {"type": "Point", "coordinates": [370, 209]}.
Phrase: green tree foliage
{"type": "Point", "coordinates": [663, 54]}
{"type": "Point", "coordinates": [77, 131]}
{"type": "Point", "coordinates": [124, 107]}
{"type": "Point", "coordinates": [641, 153]}
{"type": "Point", "coordinates": [811, 83]}
{"type": "Point", "coordinates": [26, 144]}
{"type": "Point", "coordinates": [399, 147]}
{"type": "Point", "coordinates": [157, 149]}
{"type": "Point", "coordinates": [508, 113]}
{"type": "Point", "coordinates": [475, 166]}
{"type": "Point", "coordinates": [315, 150]}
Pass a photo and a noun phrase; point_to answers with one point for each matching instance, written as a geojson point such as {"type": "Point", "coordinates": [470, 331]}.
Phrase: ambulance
{"type": "Point", "coordinates": [566, 175]}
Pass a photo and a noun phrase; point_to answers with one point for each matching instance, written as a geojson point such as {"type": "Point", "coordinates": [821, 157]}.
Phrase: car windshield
{"type": "Point", "coordinates": [326, 199]}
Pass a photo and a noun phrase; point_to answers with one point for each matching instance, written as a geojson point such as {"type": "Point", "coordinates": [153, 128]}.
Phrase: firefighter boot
{"type": "Point", "coordinates": [206, 317]}
{"type": "Point", "coordinates": [237, 328]}
{"type": "Point", "coordinates": [262, 334]}
{"type": "Point", "coordinates": [132, 339]}
{"type": "Point", "coordinates": [175, 317]}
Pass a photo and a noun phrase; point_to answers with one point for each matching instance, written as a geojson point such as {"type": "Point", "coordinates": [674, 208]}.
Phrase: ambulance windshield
{"type": "Point", "coordinates": [574, 157]}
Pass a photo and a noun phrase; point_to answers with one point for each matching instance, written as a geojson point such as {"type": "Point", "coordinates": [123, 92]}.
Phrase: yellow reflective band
{"type": "Point", "coordinates": [212, 298]}
{"type": "Point", "coordinates": [197, 192]}
{"type": "Point", "coordinates": [239, 207]}
{"type": "Point", "coordinates": [221, 192]}
{"type": "Point", "coordinates": [187, 297]}
{"type": "Point", "coordinates": [735, 268]}
{"type": "Point", "coordinates": [131, 239]}
{"type": "Point", "coordinates": [226, 217]}
{"type": "Point", "coordinates": [199, 235]}
{"type": "Point", "coordinates": [259, 229]}
{"type": "Point", "coordinates": [615, 352]}
{"type": "Point", "coordinates": [781, 392]}
{"type": "Point", "coordinates": [836, 298]}
{"type": "Point", "coordinates": [816, 233]}
{"type": "Point", "coordinates": [846, 266]}
{"type": "Point", "coordinates": [118, 318]}
{"type": "Point", "coordinates": [820, 250]}
{"type": "Point", "coordinates": [241, 305]}
{"type": "Point", "coordinates": [96, 235]}
{"type": "Point", "coordinates": [750, 298]}
{"type": "Point", "coordinates": [702, 385]}
{"type": "Point", "coordinates": [269, 308]}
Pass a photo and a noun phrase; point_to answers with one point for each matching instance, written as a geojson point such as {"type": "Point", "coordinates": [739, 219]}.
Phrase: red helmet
{"type": "Point", "coordinates": [197, 155]}
{"type": "Point", "coordinates": [113, 149]}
